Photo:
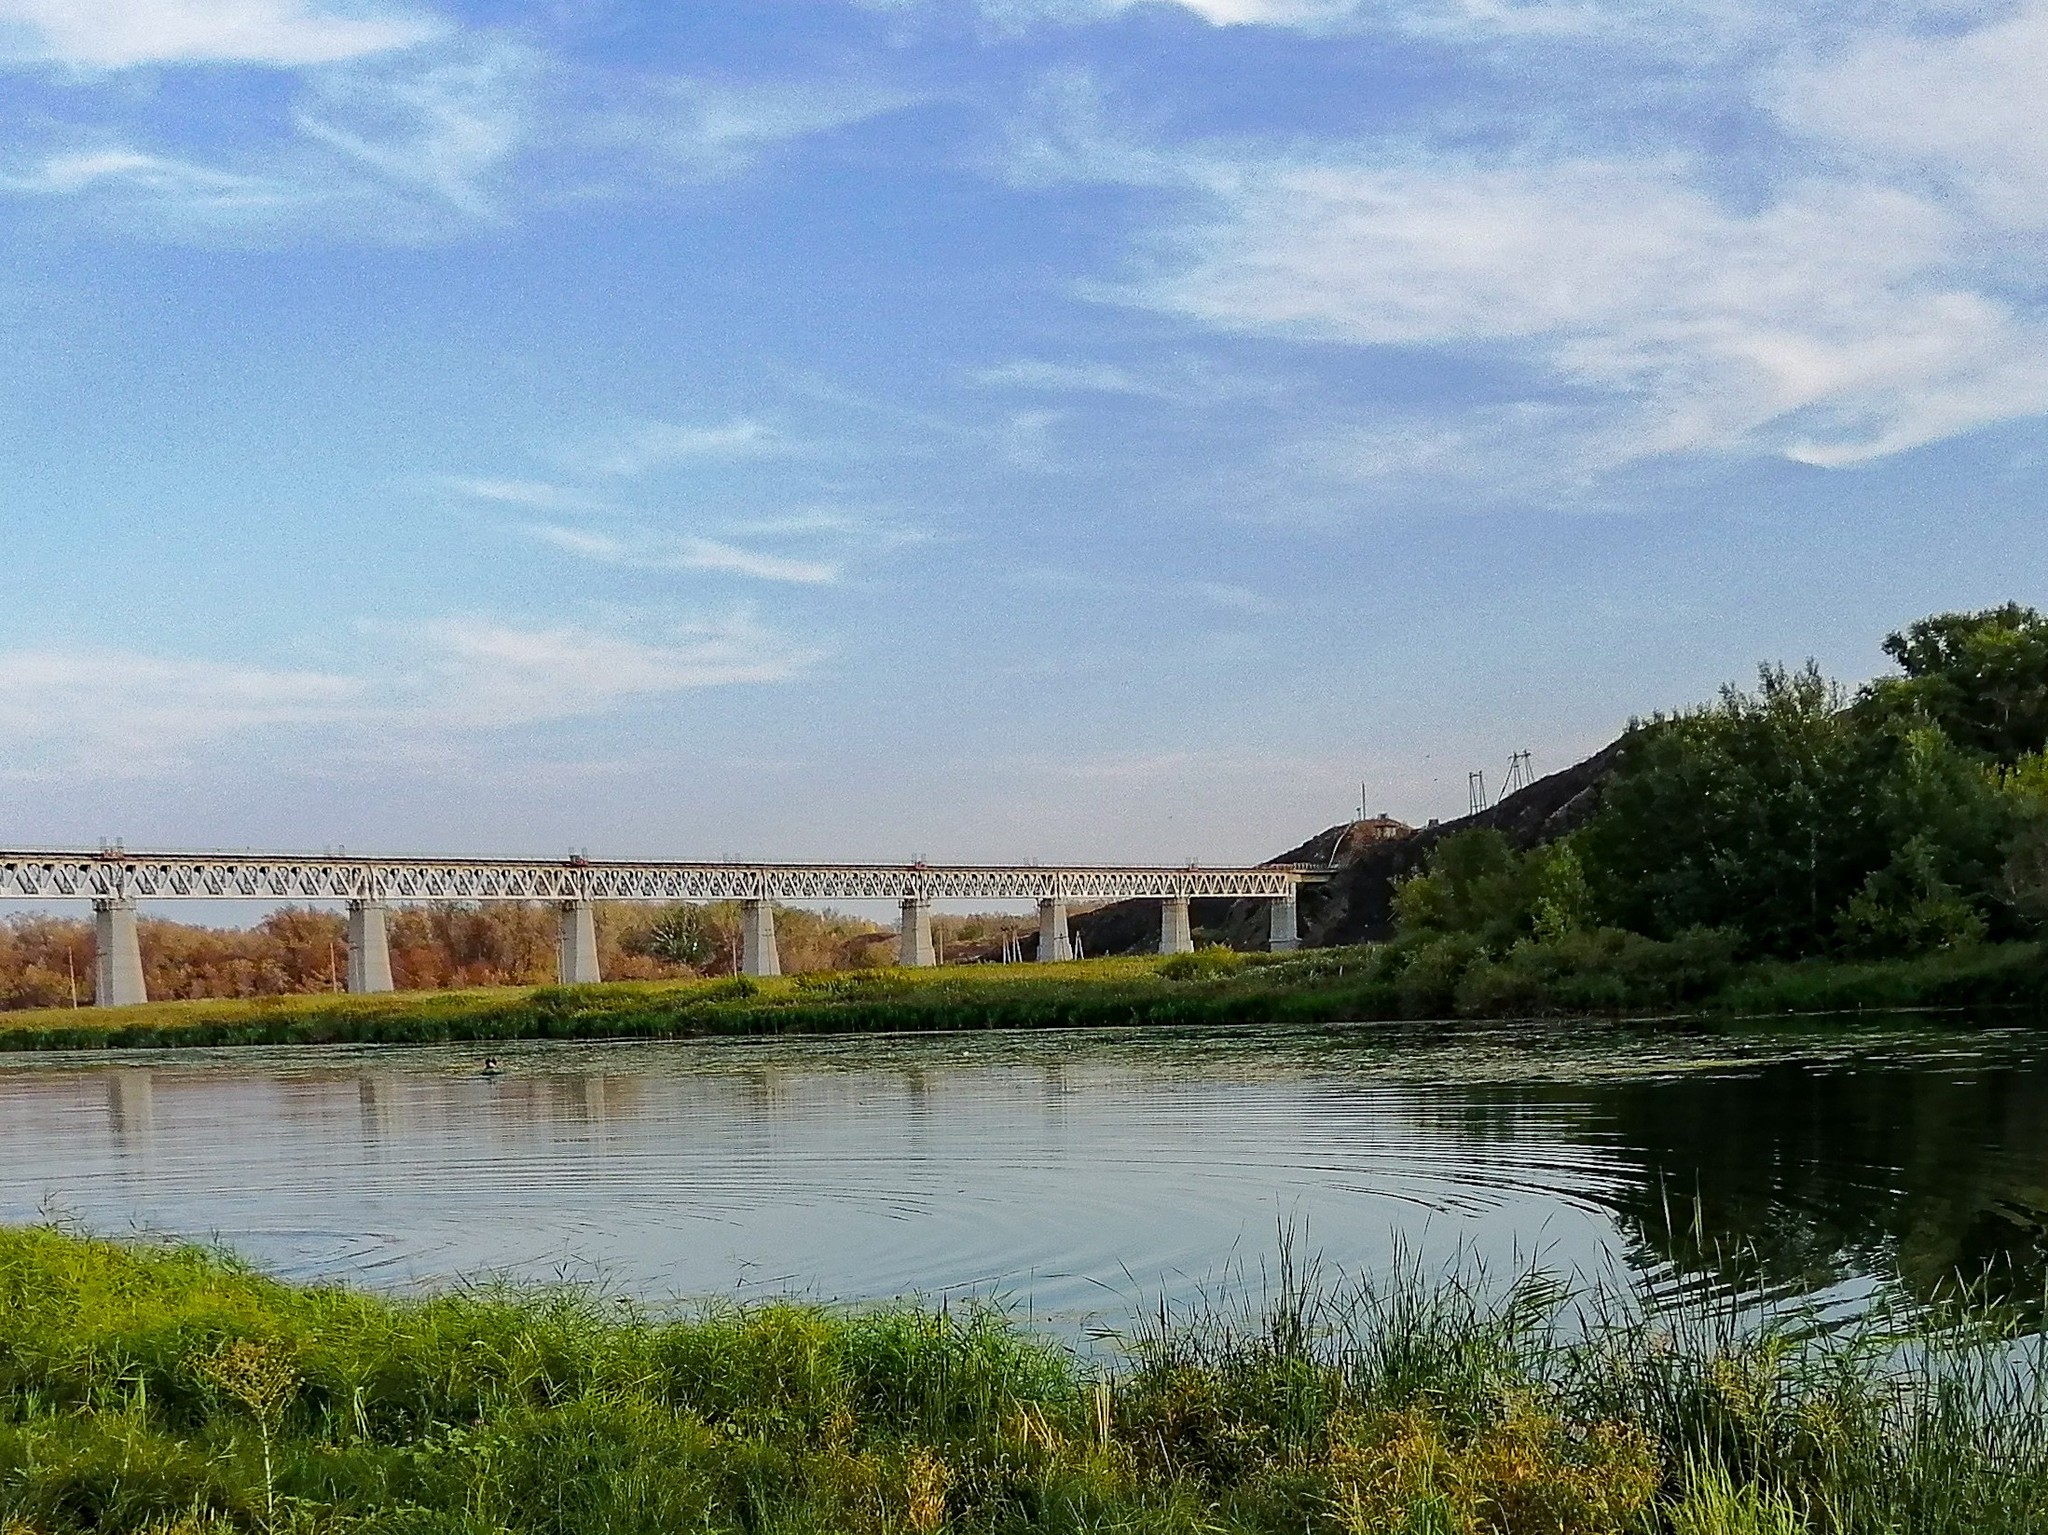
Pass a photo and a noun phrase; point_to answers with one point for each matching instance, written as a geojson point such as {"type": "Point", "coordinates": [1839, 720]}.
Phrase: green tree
{"type": "Point", "coordinates": [1982, 678]}
{"type": "Point", "coordinates": [1770, 813]}
{"type": "Point", "coordinates": [1475, 883]}
{"type": "Point", "coordinates": [683, 935]}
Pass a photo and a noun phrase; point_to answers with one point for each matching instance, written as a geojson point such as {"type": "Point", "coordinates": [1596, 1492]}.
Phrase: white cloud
{"type": "Point", "coordinates": [117, 34]}
{"type": "Point", "coordinates": [151, 186]}
{"type": "Point", "coordinates": [657, 551]}
{"type": "Point", "coordinates": [645, 446]}
{"type": "Point", "coordinates": [710, 130]}
{"type": "Point", "coordinates": [1836, 322]}
{"type": "Point", "coordinates": [114, 713]}
{"type": "Point", "coordinates": [408, 144]}
{"type": "Point", "coordinates": [1967, 110]}
{"type": "Point", "coordinates": [534, 495]}
{"type": "Point", "coordinates": [122, 712]}
{"type": "Point", "coordinates": [1063, 377]}
{"type": "Point", "coordinates": [485, 673]}
{"type": "Point", "coordinates": [449, 127]}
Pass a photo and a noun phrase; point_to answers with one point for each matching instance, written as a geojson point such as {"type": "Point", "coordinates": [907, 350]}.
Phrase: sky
{"type": "Point", "coordinates": [975, 429]}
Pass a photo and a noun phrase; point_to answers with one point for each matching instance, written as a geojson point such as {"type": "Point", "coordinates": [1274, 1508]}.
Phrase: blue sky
{"type": "Point", "coordinates": [1026, 428]}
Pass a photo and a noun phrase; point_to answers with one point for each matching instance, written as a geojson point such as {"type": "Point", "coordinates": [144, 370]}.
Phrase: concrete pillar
{"type": "Point", "coordinates": [369, 951]}
{"type": "Point", "coordinates": [914, 937]}
{"type": "Point", "coordinates": [1053, 943]}
{"type": "Point", "coordinates": [757, 939]}
{"type": "Point", "coordinates": [1176, 934]}
{"type": "Point", "coordinates": [576, 961]}
{"type": "Point", "coordinates": [117, 955]}
{"type": "Point", "coordinates": [1281, 925]}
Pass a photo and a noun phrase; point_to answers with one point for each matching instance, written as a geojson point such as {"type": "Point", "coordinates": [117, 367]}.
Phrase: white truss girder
{"type": "Point", "coordinates": [304, 877]}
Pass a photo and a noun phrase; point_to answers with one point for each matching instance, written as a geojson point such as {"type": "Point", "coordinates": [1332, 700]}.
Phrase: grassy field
{"type": "Point", "coordinates": [1588, 975]}
{"type": "Point", "coordinates": [166, 1390]}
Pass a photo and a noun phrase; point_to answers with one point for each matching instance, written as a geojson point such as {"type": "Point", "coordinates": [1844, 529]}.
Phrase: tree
{"type": "Point", "coordinates": [1982, 678]}
{"type": "Point", "coordinates": [1771, 812]}
{"type": "Point", "coordinates": [1475, 883]}
{"type": "Point", "coordinates": [681, 934]}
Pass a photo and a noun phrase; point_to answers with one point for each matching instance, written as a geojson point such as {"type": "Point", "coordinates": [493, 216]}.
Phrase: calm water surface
{"type": "Point", "coordinates": [1075, 1174]}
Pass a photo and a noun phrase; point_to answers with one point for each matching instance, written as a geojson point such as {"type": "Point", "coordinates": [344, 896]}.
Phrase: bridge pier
{"type": "Point", "coordinates": [758, 954]}
{"type": "Point", "coordinates": [1281, 924]}
{"type": "Point", "coordinates": [117, 955]}
{"type": "Point", "coordinates": [1054, 942]}
{"type": "Point", "coordinates": [576, 960]}
{"type": "Point", "coordinates": [1176, 933]}
{"type": "Point", "coordinates": [914, 938]}
{"type": "Point", "coordinates": [369, 950]}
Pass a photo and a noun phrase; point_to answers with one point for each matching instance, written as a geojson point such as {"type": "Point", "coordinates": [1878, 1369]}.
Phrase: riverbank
{"type": "Point", "coordinates": [1585, 975]}
{"type": "Point", "coordinates": [165, 1389]}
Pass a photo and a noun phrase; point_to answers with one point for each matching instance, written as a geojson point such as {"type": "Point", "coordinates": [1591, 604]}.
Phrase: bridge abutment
{"type": "Point", "coordinates": [1054, 942]}
{"type": "Point", "coordinates": [1282, 927]}
{"type": "Point", "coordinates": [914, 937]}
{"type": "Point", "coordinates": [576, 960]}
{"type": "Point", "coordinates": [117, 955]}
{"type": "Point", "coordinates": [758, 954]}
{"type": "Point", "coordinates": [1176, 932]}
{"type": "Point", "coordinates": [369, 948]}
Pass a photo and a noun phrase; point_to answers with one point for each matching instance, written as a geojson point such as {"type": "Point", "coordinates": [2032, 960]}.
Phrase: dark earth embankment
{"type": "Point", "coordinates": [1355, 905]}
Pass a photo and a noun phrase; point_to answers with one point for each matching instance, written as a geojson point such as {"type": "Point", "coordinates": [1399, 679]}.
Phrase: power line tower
{"type": "Point", "coordinates": [1520, 773]}
{"type": "Point", "coordinates": [1475, 791]}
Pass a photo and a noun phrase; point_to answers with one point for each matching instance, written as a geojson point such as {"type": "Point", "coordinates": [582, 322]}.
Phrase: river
{"type": "Point", "coordinates": [1076, 1176]}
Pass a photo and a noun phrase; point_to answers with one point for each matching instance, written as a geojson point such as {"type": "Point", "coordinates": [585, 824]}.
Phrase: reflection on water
{"type": "Point", "coordinates": [1072, 1171]}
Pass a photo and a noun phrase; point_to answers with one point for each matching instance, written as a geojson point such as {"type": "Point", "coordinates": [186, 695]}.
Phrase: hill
{"type": "Point", "coordinates": [1355, 905]}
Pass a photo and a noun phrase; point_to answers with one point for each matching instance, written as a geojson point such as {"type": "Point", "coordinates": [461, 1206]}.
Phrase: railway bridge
{"type": "Point", "coordinates": [114, 879]}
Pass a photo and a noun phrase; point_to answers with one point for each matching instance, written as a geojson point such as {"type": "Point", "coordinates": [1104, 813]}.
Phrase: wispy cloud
{"type": "Point", "coordinates": [644, 446]}
{"type": "Point", "coordinates": [115, 713]}
{"type": "Point", "coordinates": [447, 128]}
{"type": "Point", "coordinates": [711, 130]}
{"type": "Point", "coordinates": [1188, 382]}
{"type": "Point", "coordinates": [119, 34]}
{"type": "Point", "coordinates": [1835, 324]}
{"type": "Point", "coordinates": [151, 189]}
{"type": "Point", "coordinates": [532, 495]}
{"type": "Point", "coordinates": [396, 129]}
{"type": "Point", "coordinates": [1966, 110]}
{"type": "Point", "coordinates": [1833, 317]}
{"type": "Point", "coordinates": [483, 672]}
{"type": "Point", "coordinates": [659, 551]}
{"type": "Point", "coordinates": [124, 712]}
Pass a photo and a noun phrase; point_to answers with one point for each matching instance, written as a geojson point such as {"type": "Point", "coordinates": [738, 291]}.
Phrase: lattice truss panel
{"type": "Point", "coordinates": [293, 877]}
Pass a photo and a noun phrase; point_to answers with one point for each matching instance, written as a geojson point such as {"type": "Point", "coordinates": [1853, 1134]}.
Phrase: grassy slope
{"type": "Point", "coordinates": [1317, 986]}
{"type": "Point", "coordinates": [164, 1390]}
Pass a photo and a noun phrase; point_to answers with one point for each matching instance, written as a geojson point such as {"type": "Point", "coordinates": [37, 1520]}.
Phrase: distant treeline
{"type": "Point", "coordinates": [47, 961]}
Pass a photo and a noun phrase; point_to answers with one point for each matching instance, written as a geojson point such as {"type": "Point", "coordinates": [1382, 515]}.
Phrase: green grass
{"type": "Point", "coordinates": [1592, 974]}
{"type": "Point", "coordinates": [166, 1389]}
{"type": "Point", "coordinates": [1185, 989]}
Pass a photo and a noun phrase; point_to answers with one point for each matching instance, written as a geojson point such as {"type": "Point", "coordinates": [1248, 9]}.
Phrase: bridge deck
{"type": "Point", "coordinates": [120, 874]}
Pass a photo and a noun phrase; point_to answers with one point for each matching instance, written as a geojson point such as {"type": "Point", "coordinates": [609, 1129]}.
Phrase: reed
{"type": "Point", "coordinates": [159, 1388]}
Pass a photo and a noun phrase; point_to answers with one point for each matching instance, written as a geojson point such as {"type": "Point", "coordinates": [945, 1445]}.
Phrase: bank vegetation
{"type": "Point", "coordinates": [168, 1391]}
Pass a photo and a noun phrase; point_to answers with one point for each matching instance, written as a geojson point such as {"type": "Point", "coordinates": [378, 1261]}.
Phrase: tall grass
{"type": "Point", "coordinates": [159, 1389]}
{"type": "Point", "coordinates": [1442, 976]}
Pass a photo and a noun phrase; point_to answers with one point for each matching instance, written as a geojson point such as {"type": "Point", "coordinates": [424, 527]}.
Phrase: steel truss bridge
{"type": "Point", "coordinates": [121, 875]}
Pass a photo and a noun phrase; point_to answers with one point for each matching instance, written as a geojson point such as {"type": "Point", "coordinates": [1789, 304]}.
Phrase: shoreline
{"type": "Point", "coordinates": [1212, 988]}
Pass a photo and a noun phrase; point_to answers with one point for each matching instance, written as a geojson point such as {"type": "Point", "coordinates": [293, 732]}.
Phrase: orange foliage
{"type": "Point", "coordinates": [48, 961]}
